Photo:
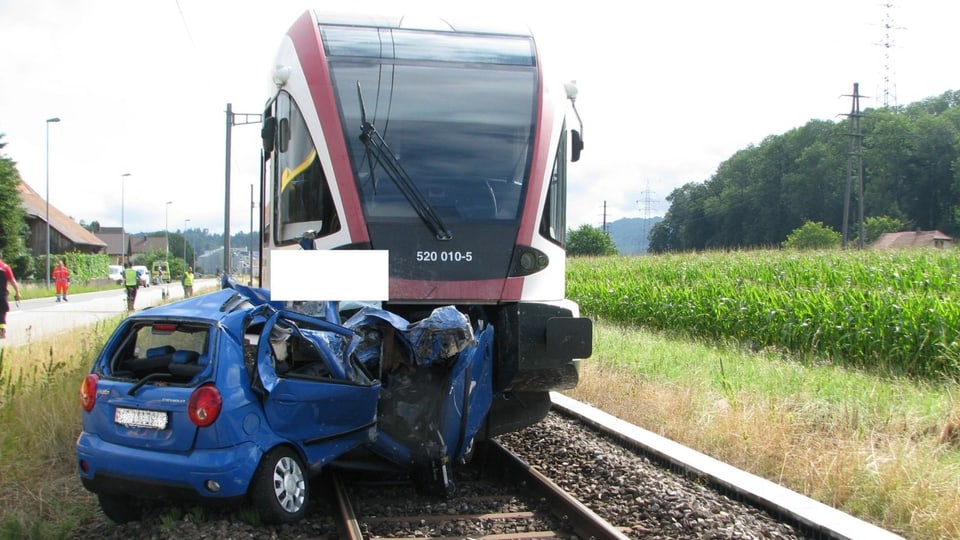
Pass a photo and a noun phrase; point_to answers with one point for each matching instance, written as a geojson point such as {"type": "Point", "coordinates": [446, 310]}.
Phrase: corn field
{"type": "Point", "coordinates": [892, 310]}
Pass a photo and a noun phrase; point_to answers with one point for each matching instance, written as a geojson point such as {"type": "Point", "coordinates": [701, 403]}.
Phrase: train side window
{"type": "Point", "coordinates": [303, 199]}
{"type": "Point", "coordinates": [553, 222]}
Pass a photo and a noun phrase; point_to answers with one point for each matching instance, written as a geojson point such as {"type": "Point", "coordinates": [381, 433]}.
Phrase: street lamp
{"type": "Point", "coordinates": [185, 241]}
{"type": "Point", "coordinates": [49, 120]}
{"type": "Point", "coordinates": [123, 231]}
{"type": "Point", "coordinates": [166, 234]}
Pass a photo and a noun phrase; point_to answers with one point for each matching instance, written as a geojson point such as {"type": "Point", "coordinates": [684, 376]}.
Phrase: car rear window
{"type": "Point", "coordinates": [177, 350]}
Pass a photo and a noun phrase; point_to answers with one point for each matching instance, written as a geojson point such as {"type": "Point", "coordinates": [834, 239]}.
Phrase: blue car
{"type": "Point", "coordinates": [230, 397]}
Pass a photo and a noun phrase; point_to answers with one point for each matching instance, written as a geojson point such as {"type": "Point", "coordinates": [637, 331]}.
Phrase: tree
{"type": "Point", "coordinates": [589, 240]}
{"type": "Point", "coordinates": [877, 225]}
{"type": "Point", "coordinates": [813, 235]}
{"type": "Point", "coordinates": [12, 219]}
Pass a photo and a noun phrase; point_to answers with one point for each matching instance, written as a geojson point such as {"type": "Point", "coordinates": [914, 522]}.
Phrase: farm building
{"type": "Point", "coordinates": [908, 239]}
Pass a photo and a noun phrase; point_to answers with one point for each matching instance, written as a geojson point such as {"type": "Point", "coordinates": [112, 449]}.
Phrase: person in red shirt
{"type": "Point", "coordinates": [61, 278]}
{"type": "Point", "coordinates": [6, 280]}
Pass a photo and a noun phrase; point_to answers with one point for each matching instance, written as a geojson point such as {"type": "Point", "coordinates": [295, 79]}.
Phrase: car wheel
{"type": "Point", "coordinates": [279, 488]}
{"type": "Point", "coordinates": [120, 508]}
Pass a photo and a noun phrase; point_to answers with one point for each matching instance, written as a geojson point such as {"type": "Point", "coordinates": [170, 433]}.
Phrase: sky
{"type": "Point", "coordinates": [667, 91]}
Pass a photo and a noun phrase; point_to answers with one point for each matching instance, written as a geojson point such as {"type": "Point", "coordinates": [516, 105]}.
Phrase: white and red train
{"type": "Point", "coordinates": [447, 146]}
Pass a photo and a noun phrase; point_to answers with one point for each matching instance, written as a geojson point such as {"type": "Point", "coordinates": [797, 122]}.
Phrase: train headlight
{"type": "Point", "coordinates": [527, 260]}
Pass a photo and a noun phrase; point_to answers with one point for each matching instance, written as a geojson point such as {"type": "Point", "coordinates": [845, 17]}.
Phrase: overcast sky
{"type": "Point", "coordinates": [668, 90]}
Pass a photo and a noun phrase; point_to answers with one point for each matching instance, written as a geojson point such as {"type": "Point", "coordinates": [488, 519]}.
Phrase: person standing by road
{"type": "Point", "coordinates": [188, 282]}
{"type": "Point", "coordinates": [61, 280]}
{"type": "Point", "coordinates": [6, 280]}
{"type": "Point", "coordinates": [131, 281]}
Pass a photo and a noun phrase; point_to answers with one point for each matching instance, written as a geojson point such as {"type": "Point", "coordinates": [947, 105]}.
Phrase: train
{"type": "Point", "coordinates": [445, 145]}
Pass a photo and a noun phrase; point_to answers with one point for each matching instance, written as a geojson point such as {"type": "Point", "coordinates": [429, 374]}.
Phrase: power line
{"type": "Point", "coordinates": [186, 27]}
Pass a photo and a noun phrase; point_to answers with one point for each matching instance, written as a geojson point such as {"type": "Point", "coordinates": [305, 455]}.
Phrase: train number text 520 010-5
{"type": "Point", "coordinates": [444, 256]}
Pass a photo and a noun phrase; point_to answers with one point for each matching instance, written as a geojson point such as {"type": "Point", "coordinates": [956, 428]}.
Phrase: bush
{"type": "Point", "coordinates": [812, 236]}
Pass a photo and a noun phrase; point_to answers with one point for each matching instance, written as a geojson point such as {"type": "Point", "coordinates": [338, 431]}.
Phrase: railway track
{"type": "Point", "coordinates": [498, 496]}
{"type": "Point", "coordinates": [807, 517]}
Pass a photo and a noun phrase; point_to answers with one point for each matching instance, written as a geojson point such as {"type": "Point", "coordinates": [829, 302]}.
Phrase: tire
{"type": "Point", "coordinates": [120, 508]}
{"type": "Point", "coordinates": [280, 489]}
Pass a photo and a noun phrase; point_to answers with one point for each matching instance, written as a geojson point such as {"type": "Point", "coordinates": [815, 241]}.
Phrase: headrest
{"type": "Point", "coordinates": [160, 351]}
{"type": "Point", "coordinates": [185, 357]}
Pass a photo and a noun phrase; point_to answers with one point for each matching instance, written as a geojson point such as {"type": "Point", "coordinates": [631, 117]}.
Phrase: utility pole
{"type": "Point", "coordinates": [250, 253]}
{"type": "Point", "coordinates": [233, 119]}
{"type": "Point", "coordinates": [603, 227]}
{"type": "Point", "coordinates": [854, 167]}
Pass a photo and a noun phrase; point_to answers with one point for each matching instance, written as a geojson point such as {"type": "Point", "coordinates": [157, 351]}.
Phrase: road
{"type": "Point", "coordinates": [41, 318]}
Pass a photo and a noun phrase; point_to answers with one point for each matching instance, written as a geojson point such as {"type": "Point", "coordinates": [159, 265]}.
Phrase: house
{"type": "Point", "coordinates": [115, 239]}
{"type": "Point", "coordinates": [916, 238]}
{"type": "Point", "coordinates": [140, 244]}
{"type": "Point", "coordinates": [66, 235]}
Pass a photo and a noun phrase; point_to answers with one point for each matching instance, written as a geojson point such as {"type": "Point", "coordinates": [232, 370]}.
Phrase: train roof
{"type": "Point", "coordinates": [424, 22]}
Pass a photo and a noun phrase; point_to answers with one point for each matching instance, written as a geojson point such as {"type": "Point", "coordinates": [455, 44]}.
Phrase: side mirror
{"type": "Point", "coordinates": [576, 141]}
{"type": "Point", "coordinates": [576, 145]}
{"type": "Point", "coordinates": [268, 134]}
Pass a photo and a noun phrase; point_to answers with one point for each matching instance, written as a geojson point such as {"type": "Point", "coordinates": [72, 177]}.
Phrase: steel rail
{"type": "Point", "coordinates": [584, 521]}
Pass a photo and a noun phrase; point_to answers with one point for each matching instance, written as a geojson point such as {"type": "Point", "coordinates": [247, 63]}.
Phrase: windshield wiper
{"type": "Point", "coordinates": [378, 148]}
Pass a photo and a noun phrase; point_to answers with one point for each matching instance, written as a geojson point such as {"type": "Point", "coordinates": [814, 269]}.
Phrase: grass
{"type": "Point", "coordinates": [32, 291]}
{"type": "Point", "coordinates": [40, 492]}
{"type": "Point", "coordinates": [866, 444]}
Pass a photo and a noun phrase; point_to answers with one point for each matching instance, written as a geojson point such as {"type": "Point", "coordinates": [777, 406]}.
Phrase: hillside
{"type": "Point", "coordinates": [630, 234]}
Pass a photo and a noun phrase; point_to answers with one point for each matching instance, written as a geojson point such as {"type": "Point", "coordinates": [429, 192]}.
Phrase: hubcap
{"type": "Point", "coordinates": [289, 484]}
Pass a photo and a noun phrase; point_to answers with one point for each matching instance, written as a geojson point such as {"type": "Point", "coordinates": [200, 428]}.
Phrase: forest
{"type": "Point", "coordinates": [911, 173]}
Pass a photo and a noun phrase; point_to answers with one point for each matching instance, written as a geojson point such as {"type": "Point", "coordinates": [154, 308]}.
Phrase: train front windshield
{"type": "Point", "coordinates": [457, 112]}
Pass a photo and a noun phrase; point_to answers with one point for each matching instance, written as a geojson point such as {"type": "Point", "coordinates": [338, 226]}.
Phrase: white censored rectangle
{"type": "Point", "coordinates": [360, 275]}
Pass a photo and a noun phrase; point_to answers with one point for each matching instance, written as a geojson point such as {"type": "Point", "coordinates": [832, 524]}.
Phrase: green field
{"type": "Point", "coordinates": [897, 311]}
{"type": "Point", "coordinates": [834, 374]}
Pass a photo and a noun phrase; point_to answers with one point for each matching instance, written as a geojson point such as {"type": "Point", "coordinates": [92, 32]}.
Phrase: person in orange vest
{"type": "Point", "coordinates": [61, 279]}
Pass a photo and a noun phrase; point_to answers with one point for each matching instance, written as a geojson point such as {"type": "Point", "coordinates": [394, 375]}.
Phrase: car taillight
{"type": "Point", "coordinates": [204, 405]}
{"type": "Point", "coordinates": [88, 392]}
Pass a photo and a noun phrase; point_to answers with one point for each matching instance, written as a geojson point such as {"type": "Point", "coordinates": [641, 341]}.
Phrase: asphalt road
{"type": "Point", "coordinates": [41, 318]}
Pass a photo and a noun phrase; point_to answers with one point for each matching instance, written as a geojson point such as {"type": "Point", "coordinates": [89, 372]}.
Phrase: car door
{"type": "Point", "coordinates": [327, 409]}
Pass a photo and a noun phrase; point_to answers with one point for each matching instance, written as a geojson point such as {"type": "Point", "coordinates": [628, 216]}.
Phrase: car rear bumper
{"type": "Point", "coordinates": [110, 468]}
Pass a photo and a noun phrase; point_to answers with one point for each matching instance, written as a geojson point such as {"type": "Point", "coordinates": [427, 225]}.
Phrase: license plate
{"type": "Point", "coordinates": [140, 418]}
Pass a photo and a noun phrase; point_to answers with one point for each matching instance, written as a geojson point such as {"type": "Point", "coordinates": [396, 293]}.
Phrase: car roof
{"type": "Point", "coordinates": [211, 308]}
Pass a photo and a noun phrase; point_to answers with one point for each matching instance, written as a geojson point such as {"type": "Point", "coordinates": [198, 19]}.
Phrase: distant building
{"type": "Point", "coordinates": [66, 235]}
{"type": "Point", "coordinates": [141, 244]}
{"type": "Point", "coordinates": [935, 239]}
{"type": "Point", "coordinates": [114, 238]}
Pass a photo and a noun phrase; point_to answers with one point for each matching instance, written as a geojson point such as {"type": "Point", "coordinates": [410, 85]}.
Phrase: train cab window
{"type": "Point", "coordinates": [553, 223]}
{"type": "Point", "coordinates": [303, 199]}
